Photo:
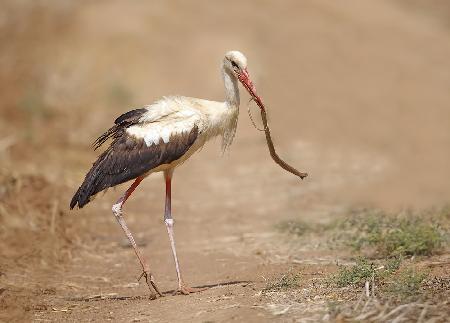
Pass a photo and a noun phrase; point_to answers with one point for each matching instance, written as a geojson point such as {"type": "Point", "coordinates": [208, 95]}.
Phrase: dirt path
{"type": "Point", "coordinates": [225, 235]}
{"type": "Point", "coordinates": [221, 246]}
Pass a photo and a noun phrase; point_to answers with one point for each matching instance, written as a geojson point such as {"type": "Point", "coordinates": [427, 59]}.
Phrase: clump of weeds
{"type": "Point", "coordinates": [379, 234]}
{"type": "Point", "coordinates": [407, 283]}
{"type": "Point", "coordinates": [356, 274]}
{"type": "Point", "coordinates": [288, 280]}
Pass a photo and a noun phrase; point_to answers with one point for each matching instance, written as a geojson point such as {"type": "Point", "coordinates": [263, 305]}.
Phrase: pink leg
{"type": "Point", "coordinates": [182, 287]}
{"type": "Point", "coordinates": [117, 211]}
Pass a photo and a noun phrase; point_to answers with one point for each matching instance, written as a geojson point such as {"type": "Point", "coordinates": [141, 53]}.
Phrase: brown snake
{"type": "Point", "coordinates": [270, 144]}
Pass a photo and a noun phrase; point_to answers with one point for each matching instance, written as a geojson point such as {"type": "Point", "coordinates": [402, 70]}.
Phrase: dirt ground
{"type": "Point", "coordinates": [358, 96]}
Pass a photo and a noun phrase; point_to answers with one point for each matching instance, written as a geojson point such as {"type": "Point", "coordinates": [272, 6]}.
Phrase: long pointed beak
{"type": "Point", "coordinates": [244, 78]}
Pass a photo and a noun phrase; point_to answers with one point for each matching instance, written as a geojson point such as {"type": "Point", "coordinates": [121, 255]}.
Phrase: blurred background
{"type": "Point", "coordinates": [357, 92]}
{"type": "Point", "coordinates": [358, 81]}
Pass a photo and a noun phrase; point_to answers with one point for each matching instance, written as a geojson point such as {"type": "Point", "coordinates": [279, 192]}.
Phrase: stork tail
{"type": "Point", "coordinates": [91, 185]}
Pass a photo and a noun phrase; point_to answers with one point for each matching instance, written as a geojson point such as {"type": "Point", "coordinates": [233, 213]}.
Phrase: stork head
{"type": "Point", "coordinates": [236, 63]}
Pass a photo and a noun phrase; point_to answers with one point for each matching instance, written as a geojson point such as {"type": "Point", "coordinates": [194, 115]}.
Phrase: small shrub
{"type": "Point", "coordinates": [407, 283]}
{"type": "Point", "coordinates": [393, 264]}
{"type": "Point", "coordinates": [365, 270]}
{"type": "Point", "coordinates": [357, 274]}
{"type": "Point", "coordinates": [286, 281]}
{"type": "Point", "coordinates": [411, 237]}
{"type": "Point", "coordinates": [377, 233]}
{"type": "Point", "coordinates": [391, 235]}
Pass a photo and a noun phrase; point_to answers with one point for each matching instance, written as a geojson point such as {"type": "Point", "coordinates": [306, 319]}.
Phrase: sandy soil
{"type": "Point", "coordinates": [358, 97]}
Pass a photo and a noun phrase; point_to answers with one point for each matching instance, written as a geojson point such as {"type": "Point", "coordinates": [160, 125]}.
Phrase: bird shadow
{"type": "Point", "coordinates": [114, 297]}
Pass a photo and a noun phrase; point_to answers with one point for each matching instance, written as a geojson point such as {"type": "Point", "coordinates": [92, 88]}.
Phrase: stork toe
{"type": "Point", "coordinates": [151, 284]}
{"type": "Point", "coordinates": [183, 289]}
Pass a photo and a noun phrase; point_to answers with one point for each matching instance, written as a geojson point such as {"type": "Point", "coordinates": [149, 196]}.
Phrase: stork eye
{"type": "Point", "coordinates": [235, 66]}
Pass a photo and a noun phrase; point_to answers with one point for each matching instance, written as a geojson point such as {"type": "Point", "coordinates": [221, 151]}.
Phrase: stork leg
{"type": "Point", "coordinates": [117, 211]}
{"type": "Point", "coordinates": [168, 220]}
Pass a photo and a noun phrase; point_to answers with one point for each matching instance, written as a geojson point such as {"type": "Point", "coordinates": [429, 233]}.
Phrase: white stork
{"type": "Point", "coordinates": [159, 138]}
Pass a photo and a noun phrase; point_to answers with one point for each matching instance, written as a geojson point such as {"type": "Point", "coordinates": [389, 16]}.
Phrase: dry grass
{"type": "Point", "coordinates": [389, 280]}
{"type": "Point", "coordinates": [33, 233]}
{"type": "Point", "coordinates": [357, 274]}
{"type": "Point", "coordinates": [374, 310]}
{"type": "Point", "coordinates": [378, 234]}
{"type": "Point", "coordinates": [288, 280]}
{"type": "Point", "coordinates": [407, 283]}
{"type": "Point", "coordinates": [401, 234]}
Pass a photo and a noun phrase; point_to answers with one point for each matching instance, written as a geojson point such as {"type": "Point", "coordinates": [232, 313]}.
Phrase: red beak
{"type": "Point", "coordinates": [244, 78]}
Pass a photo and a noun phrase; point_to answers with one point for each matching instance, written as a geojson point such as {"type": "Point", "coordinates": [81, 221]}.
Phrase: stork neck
{"type": "Point", "coordinates": [231, 89]}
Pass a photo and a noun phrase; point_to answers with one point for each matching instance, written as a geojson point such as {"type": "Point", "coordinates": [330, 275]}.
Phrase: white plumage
{"type": "Point", "coordinates": [175, 115]}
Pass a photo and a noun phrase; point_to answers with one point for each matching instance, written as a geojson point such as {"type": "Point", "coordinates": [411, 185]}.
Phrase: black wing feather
{"type": "Point", "coordinates": [128, 157]}
{"type": "Point", "coordinates": [120, 124]}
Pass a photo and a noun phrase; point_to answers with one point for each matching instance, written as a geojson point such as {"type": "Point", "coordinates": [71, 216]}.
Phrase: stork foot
{"type": "Point", "coordinates": [183, 289]}
{"type": "Point", "coordinates": [150, 283]}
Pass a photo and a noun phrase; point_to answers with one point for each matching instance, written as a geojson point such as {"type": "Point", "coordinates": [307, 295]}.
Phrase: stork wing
{"type": "Point", "coordinates": [139, 145]}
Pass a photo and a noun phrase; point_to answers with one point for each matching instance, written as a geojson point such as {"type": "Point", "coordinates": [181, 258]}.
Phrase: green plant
{"type": "Point", "coordinates": [407, 283]}
{"type": "Point", "coordinates": [411, 236]}
{"type": "Point", "coordinates": [288, 280]}
{"type": "Point", "coordinates": [393, 264]}
{"type": "Point", "coordinates": [357, 274]}
{"type": "Point", "coordinates": [364, 270]}
{"type": "Point", "coordinates": [387, 235]}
